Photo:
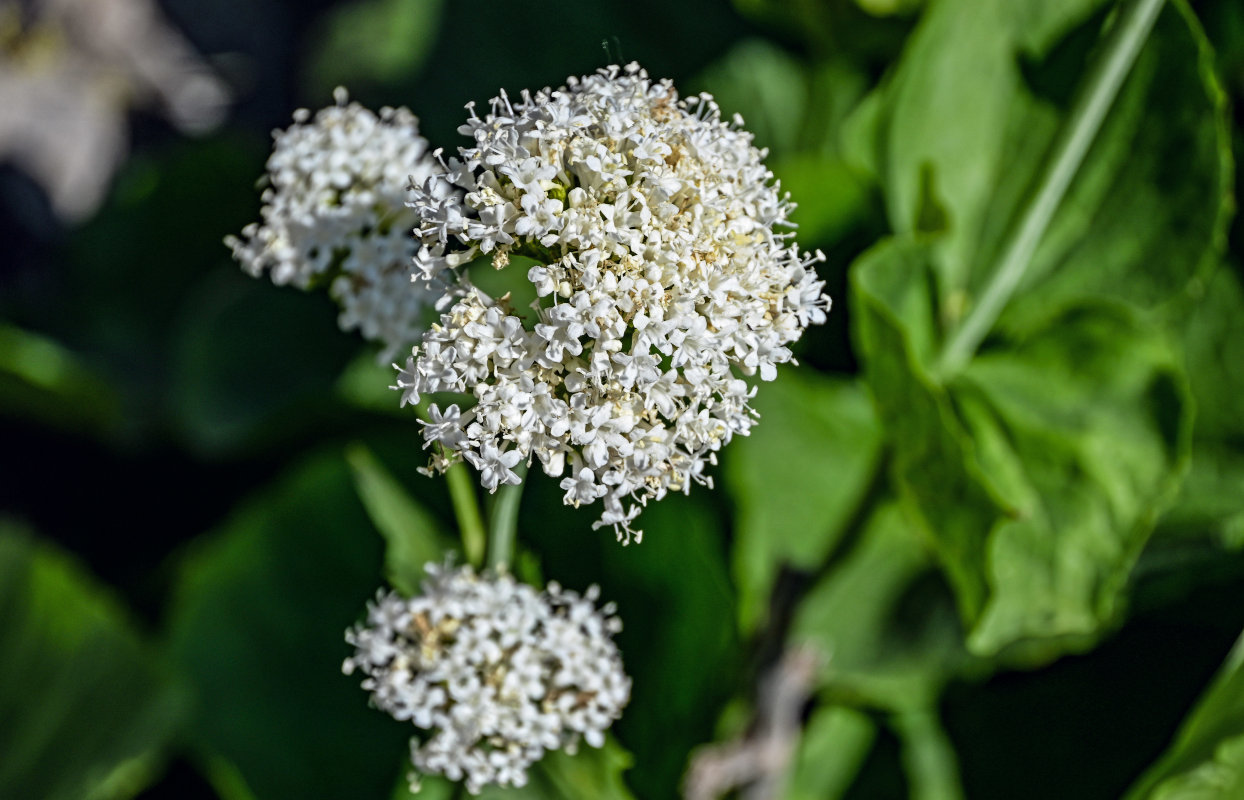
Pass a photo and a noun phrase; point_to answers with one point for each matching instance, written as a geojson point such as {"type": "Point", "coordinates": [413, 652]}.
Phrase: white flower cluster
{"type": "Point", "coordinates": [665, 267]}
{"type": "Point", "coordinates": [496, 672]}
{"type": "Point", "coordinates": [335, 213]}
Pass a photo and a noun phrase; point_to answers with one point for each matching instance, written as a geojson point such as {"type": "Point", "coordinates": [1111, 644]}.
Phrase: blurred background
{"type": "Point", "coordinates": [186, 453]}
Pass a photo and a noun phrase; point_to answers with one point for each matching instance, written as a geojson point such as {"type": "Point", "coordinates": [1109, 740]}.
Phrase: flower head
{"type": "Point", "coordinates": [335, 214]}
{"type": "Point", "coordinates": [495, 672]}
{"type": "Point", "coordinates": [664, 271]}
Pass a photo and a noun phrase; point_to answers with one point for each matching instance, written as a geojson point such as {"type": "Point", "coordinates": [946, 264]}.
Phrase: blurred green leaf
{"type": "Point", "coordinates": [1040, 470]}
{"type": "Point", "coordinates": [413, 536]}
{"type": "Point", "coordinates": [966, 129]}
{"type": "Point", "coordinates": [1211, 500]}
{"type": "Point", "coordinates": [257, 623]}
{"type": "Point", "coordinates": [41, 380]}
{"type": "Point", "coordinates": [834, 745]}
{"type": "Point", "coordinates": [890, 635]}
{"type": "Point", "coordinates": [376, 41]}
{"type": "Point", "coordinates": [86, 706]}
{"type": "Point", "coordinates": [797, 479]}
{"type": "Point", "coordinates": [366, 384]}
{"type": "Point", "coordinates": [1214, 345]}
{"type": "Point", "coordinates": [1206, 758]}
{"type": "Point", "coordinates": [253, 362]}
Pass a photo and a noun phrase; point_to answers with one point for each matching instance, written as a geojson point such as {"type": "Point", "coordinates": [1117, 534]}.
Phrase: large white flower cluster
{"type": "Point", "coordinates": [335, 214]}
{"type": "Point", "coordinates": [495, 671]}
{"type": "Point", "coordinates": [665, 267]}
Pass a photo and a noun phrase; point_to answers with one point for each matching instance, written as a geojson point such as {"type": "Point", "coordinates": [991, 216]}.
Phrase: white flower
{"type": "Point", "coordinates": [495, 672]}
{"type": "Point", "coordinates": [335, 214]}
{"type": "Point", "coordinates": [666, 269]}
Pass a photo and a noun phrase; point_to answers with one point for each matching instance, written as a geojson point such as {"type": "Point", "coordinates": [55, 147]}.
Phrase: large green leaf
{"type": "Point", "coordinates": [891, 640]}
{"type": "Point", "coordinates": [963, 131]}
{"type": "Point", "coordinates": [257, 624]}
{"type": "Point", "coordinates": [85, 705]}
{"type": "Point", "coordinates": [1206, 759]}
{"type": "Point", "coordinates": [797, 479]}
{"type": "Point", "coordinates": [1040, 469]}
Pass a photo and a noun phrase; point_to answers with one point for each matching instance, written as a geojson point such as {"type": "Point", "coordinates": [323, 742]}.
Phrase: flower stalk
{"type": "Point", "coordinates": [503, 523]}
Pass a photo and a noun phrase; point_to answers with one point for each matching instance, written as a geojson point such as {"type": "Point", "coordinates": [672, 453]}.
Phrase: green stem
{"type": "Point", "coordinates": [503, 523]}
{"type": "Point", "coordinates": [928, 756]}
{"type": "Point", "coordinates": [1118, 54]}
{"type": "Point", "coordinates": [466, 509]}
{"type": "Point", "coordinates": [465, 503]}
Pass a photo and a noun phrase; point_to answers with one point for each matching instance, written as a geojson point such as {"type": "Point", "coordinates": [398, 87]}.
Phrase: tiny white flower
{"type": "Point", "coordinates": [493, 672]}
{"type": "Point", "coordinates": [335, 214]}
{"type": "Point", "coordinates": [665, 269]}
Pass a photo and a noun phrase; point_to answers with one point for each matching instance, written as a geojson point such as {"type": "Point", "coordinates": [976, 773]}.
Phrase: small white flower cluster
{"type": "Point", "coordinates": [335, 213]}
{"type": "Point", "coordinates": [665, 266]}
{"type": "Point", "coordinates": [495, 671]}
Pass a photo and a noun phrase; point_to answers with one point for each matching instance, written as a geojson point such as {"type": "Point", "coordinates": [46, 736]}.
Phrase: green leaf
{"type": "Point", "coordinates": [86, 705]}
{"type": "Point", "coordinates": [372, 41]}
{"type": "Point", "coordinates": [1206, 758]}
{"type": "Point", "coordinates": [413, 536]}
{"type": "Point", "coordinates": [797, 479]}
{"type": "Point", "coordinates": [1039, 468]}
{"type": "Point", "coordinates": [890, 635]}
{"type": "Point", "coordinates": [257, 623]}
{"type": "Point", "coordinates": [1214, 344]}
{"type": "Point", "coordinates": [965, 129]}
{"type": "Point", "coordinates": [1039, 471]}
{"type": "Point", "coordinates": [41, 380]}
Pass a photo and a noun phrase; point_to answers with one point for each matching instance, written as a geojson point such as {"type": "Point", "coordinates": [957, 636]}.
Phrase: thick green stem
{"type": "Point", "coordinates": [928, 756]}
{"type": "Point", "coordinates": [503, 523]}
{"type": "Point", "coordinates": [1118, 54]}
